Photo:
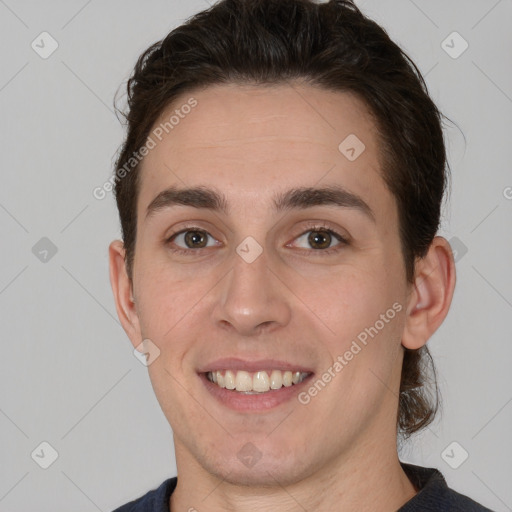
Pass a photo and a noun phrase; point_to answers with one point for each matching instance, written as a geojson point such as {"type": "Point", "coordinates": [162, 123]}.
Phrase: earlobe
{"type": "Point", "coordinates": [123, 293]}
{"type": "Point", "coordinates": [431, 295]}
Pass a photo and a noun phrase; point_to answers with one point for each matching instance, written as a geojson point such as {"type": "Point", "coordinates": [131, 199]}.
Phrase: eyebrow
{"type": "Point", "coordinates": [295, 198]}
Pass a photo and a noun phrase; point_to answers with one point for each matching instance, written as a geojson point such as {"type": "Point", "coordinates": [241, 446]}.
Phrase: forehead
{"type": "Point", "coordinates": [250, 141]}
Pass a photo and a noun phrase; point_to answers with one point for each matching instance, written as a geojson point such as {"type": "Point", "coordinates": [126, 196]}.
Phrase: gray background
{"type": "Point", "coordinates": [68, 375]}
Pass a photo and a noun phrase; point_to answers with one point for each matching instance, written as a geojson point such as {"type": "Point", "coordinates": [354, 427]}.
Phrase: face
{"type": "Point", "coordinates": [270, 281]}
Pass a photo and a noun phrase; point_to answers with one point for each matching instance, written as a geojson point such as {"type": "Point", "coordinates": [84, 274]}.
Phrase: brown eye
{"type": "Point", "coordinates": [319, 239]}
{"type": "Point", "coordinates": [195, 239]}
{"type": "Point", "coordinates": [189, 240]}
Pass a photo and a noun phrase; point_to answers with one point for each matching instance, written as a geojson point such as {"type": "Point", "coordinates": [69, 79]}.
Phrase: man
{"type": "Point", "coordinates": [279, 191]}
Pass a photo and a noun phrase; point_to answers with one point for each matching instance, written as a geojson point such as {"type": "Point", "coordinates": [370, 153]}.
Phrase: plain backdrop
{"type": "Point", "coordinates": [68, 376]}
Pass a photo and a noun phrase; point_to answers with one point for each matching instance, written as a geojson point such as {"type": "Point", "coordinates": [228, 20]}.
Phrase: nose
{"type": "Point", "coordinates": [252, 298]}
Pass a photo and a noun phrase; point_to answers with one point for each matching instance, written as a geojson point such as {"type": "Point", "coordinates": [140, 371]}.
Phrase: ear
{"type": "Point", "coordinates": [431, 295]}
{"type": "Point", "coordinates": [123, 292]}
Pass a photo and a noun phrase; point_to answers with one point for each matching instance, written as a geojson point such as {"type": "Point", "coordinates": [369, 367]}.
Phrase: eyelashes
{"type": "Point", "coordinates": [194, 235]}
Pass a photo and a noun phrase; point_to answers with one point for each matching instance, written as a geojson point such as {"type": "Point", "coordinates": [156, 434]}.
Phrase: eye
{"type": "Point", "coordinates": [320, 239]}
{"type": "Point", "coordinates": [193, 238]}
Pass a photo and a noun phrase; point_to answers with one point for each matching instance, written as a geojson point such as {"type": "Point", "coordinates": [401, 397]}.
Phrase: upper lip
{"type": "Point", "coordinates": [232, 363]}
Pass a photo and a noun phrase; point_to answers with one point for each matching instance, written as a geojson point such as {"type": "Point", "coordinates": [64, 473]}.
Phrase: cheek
{"type": "Point", "coordinates": [347, 301]}
{"type": "Point", "coordinates": [365, 314]}
{"type": "Point", "coordinates": [363, 311]}
{"type": "Point", "coordinates": [166, 299]}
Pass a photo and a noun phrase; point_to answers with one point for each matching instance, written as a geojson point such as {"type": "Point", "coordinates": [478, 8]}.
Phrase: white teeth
{"type": "Point", "coordinates": [243, 381]}
{"type": "Point", "coordinates": [287, 379]}
{"type": "Point", "coordinates": [276, 379]}
{"type": "Point", "coordinates": [259, 382]}
{"type": "Point", "coordinates": [229, 380]}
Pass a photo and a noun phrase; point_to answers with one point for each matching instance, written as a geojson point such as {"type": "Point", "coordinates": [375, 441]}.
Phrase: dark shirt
{"type": "Point", "coordinates": [434, 495]}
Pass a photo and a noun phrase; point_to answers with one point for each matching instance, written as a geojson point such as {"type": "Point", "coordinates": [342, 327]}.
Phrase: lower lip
{"type": "Point", "coordinates": [257, 402]}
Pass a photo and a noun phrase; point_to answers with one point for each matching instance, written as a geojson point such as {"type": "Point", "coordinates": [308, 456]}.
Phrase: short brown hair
{"type": "Point", "coordinates": [330, 45]}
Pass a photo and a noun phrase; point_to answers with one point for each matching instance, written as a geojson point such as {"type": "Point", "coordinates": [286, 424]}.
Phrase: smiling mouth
{"type": "Point", "coordinates": [254, 383]}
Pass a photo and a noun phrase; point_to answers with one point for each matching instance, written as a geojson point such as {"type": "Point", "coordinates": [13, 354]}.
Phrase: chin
{"type": "Point", "coordinates": [260, 475]}
{"type": "Point", "coordinates": [248, 467]}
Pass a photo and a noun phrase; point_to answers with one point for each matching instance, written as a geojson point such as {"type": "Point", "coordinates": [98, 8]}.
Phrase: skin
{"type": "Point", "coordinates": [339, 451]}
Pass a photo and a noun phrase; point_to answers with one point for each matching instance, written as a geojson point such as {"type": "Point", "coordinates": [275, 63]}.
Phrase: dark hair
{"type": "Point", "coordinates": [330, 45]}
